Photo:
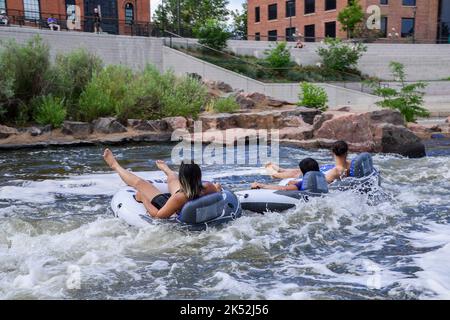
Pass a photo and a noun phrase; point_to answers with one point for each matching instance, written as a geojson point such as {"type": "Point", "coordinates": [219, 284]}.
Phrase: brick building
{"type": "Point", "coordinates": [421, 20]}
{"type": "Point", "coordinates": [118, 16]}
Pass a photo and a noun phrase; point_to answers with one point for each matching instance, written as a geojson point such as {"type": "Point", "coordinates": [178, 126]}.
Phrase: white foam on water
{"type": "Point", "coordinates": [434, 279]}
{"type": "Point", "coordinates": [313, 251]}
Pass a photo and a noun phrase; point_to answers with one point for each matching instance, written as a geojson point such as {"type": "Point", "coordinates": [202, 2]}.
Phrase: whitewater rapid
{"type": "Point", "coordinates": [58, 238]}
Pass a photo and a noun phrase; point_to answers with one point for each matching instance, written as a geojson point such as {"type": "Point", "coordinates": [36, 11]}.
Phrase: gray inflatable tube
{"type": "Point", "coordinates": [207, 211]}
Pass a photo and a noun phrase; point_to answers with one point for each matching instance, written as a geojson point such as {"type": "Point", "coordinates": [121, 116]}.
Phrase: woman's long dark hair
{"type": "Point", "coordinates": [190, 176]}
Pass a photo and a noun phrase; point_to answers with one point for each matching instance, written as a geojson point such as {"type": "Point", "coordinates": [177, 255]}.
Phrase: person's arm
{"type": "Point", "coordinates": [287, 173]}
{"type": "Point", "coordinates": [332, 175]}
{"type": "Point", "coordinates": [172, 206]}
{"type": "Point", "coordinates": [257, 185]}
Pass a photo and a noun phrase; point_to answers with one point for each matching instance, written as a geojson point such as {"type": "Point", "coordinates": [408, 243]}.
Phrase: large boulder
{"type": "Point", "coordinates": [350, 127]}
{"type": "Point", "coordinates": [258, 98]}
{"type": "Point", "coordinates": [176, 123]}
{"type": "Point", "coordinates": [76, 129]}
{"type": "Point", "coordinates": [296, 133]}
{"type": "Point", "coordinates": [6, 132]}
{"type": "Point", "coordinates": [148, 125]}
{"type": "Point", "coordinates": [423, 131]}
{"type": "Point", "coordinates": [108, 126]}
{"type": "Point", "coordinates": [378, 131]}
{"type": "Point", "coordinates": [400, 140]}
{"type": "Point", "coordinates": [308, 114]}
{"type": "Point", "coordinates": [245, 102]}
{"type": "Point", "coordinates": [272, 102]}
{"type": "Point", "coordinates": [37, 131]}
{"type": "Point", "coordinates": [387, 116]}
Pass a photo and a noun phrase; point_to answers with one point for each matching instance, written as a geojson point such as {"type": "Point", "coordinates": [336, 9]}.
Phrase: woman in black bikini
{"type": "Point", "coordinates": [185, 186]}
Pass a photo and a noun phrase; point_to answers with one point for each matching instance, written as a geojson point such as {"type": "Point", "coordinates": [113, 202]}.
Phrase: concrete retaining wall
{"type": "Point", "coordinates": [422, 61]}
{"type": "Point", "coordinates": [134, 52]}
{"type": "Point", "coordinates": [182, 64]}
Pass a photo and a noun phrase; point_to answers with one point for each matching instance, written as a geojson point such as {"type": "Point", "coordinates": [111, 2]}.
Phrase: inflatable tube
{"type": "Point", "coordinates": [364, 178]}
{"type": "Point", "coordinates": [196, 215]}
{"type": "Point", "coordinates": [363, 175]}
{"type": "Point", "coordinates": [260, 201]}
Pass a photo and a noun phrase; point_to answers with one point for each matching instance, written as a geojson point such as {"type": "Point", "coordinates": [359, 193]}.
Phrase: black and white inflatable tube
{"type": "Point", "coordinates": [207, 211]}
{"type": "Point", "coordinates": [363, 178]}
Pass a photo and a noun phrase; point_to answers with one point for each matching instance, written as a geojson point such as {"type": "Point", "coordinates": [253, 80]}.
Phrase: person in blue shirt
{"type": "Point", "coordinates": [306, 165]}
{"type": "Point", "coordinates": [53, 23]}
{"type": "Point", "coordinates": [339, 172]}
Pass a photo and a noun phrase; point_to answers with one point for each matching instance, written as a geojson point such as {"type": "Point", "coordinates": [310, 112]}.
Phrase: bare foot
{"type": "Point", "coordinates": [162, 165]}
{"type": "Point", "coordinates": [109, 159]}
{"type": "Point", "coordinates": [272, 168]}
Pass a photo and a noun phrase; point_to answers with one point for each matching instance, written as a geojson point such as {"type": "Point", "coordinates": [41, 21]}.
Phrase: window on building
{"type": "Point", "coordinates": [273, 11]}
{"type": "Point", "coordinates": [257, 36]}
{"type": "Point", "coordinates": [409, 2]}
{"type": "Point", "coordinates": [129, 13]}
{"type": "Point", "coordinates": [330, 29]}
{"type": "Point", "coordinates": [310, 33]}
{"type": "Point", "coordinates": [386, 2]}
{"type": "Point", "coordinates": [2, 4]}
{"type": "Point", "coordinates": [290, 8]}
{"type": "Point", "coordinates": [384, 27]}
{"type": "Point", "coordinates": [257, 14]}
{"type": "Point", "coordinates": [272, 35]}
{"type": "Point", "coordinates": [407, 27]}
{"type": "Point", "coordinates": [310, 6]}
{"type": "Point", "coordinates": [330, 5]}
{"type": "Point", "coordinates": [290, 34]}
{"type": "Point", "coordinates": [32, 9]}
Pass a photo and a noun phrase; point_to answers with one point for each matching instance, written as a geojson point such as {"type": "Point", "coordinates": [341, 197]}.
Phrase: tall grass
{"type": "Point", "coordinates": [50, 110]}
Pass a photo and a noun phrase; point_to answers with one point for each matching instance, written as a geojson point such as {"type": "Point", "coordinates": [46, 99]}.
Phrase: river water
{"type": "Point", "coordinates": [58, 238]}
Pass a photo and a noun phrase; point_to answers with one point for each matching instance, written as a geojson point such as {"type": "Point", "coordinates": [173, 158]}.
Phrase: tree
{"type": "Point", "coordinates": [213, 34]}
{"type": "Point", "coordinates": [408, 99]}
{"type": "Point", "coordinates": [350, 17]}
{"type": "Point", "coordinates": [240, 22]}
{"type": "Point", "coordinates": [193, 14]}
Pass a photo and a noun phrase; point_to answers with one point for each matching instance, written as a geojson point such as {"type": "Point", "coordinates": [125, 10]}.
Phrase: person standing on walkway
{"type": "Point", "coordinates": [97, 21]}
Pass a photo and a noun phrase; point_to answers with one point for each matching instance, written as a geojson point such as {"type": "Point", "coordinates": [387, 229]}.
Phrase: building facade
{"type": "Point", "coordinates": [426, 21]}
{"type": "Point", "coordinates": [117, 16]}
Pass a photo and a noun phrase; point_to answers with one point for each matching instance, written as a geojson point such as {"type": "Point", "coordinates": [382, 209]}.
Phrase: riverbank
{"type": "Point", "coordinates": [381, 131]}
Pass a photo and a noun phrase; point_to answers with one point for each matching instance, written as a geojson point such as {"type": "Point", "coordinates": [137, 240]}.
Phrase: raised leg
{"type": "Point", "coordinates": [172, 178]}
{"type": "Point", "coordinates": [147, 189]}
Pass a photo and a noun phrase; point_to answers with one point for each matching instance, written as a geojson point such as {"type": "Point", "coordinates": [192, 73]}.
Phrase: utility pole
{"type": "Point", "coordinates": [414, 24]}
{"type": "Point", "coordinates": [179, 17]}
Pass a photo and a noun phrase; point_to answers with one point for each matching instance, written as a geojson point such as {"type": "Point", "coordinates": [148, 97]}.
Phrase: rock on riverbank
{"type": "Point", "coordinates": [382, 131]}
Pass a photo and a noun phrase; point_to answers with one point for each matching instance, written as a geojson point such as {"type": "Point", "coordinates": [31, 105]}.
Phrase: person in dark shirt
{"type": "Point", "coordinates": [97, 21]}
{"type": "Point", "coordinates": [306, 165]}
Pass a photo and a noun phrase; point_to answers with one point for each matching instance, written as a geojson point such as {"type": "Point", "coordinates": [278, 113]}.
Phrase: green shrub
{"type": "Point", "coordinates": [109, 93]}
{"type": "Point", "coordinates": [50, 110]}
{"type": "Point", "coordinates": [340, 56]}
{"type": "Point", "coordinates": [313, 96]}
{"type": "Point", "coordinates": [6, 93]}
{"type": "Point", "coordinates": [187, 98]}
{"type": "Point", "coordinates": [225, 105]}
{"type": "Point", "coordinates": [75, 70]}
{"type": "Point", "coordinates": [155, 95]}
{"type": "Point", "coordinates": [279, 56]}
{"type": "Point", "coordinates": [26, 68]}
{"type": "Point", "coordinates": [149, 90]}
{"type": "Point", "coordinates": [408, 99]}
{"type": "Point", "coordinates": [213, 34]}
